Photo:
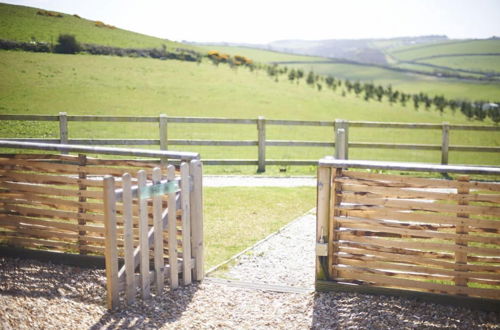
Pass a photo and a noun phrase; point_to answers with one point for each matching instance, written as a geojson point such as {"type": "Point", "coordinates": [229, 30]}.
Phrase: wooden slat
{"type": "Point", "coordinates": [462, 232]}
{"type": "Point", "coordinates": [30, 188]}
{"type": "Point", "coordinates": [158, 239]}
{"type": "Point", "coordinates": [186, 223]}
{"type": "Point", "coordinates": [322, 217]}
{"type": "Point", "coordinates": [377, 262]}
{"type": "Point", "coordinates": [400, 179]}
{"type": "Point", "coordinates": [420, 285]}
{"type": "Point", "coordinates": [172, 240]}
{"type": "Point", "coordinates": [53, 245]}
{"type": "Point", "coordinates": [47, 179]}
{"type": "Point", "coordinates": [37, 212]}
{"type": "Point", "coordinates": [393, 192]}
{"type": "Point", "coordinates": [128, 239]}
{"type": "Point", "coordinates": [423, 206]}
{"type": "Point", "coordinates": [418, 245]}
{"type": "Point", "coordinates": [390, 214]}
{"type": "Point", "coordinates": [37, 200]}
{"type": "Point", "coordinates": [196, 200]}
{"type": "Point", "coordinates": [417, 257]}
{"type": "Point", "coordinates": [390, 227]}
{"type": "Point", "coordinates": [111, 253]}
{"type": "Point", "coordinates": [144, 241]}
{"type": "Point", "coordinates": [6, 219]}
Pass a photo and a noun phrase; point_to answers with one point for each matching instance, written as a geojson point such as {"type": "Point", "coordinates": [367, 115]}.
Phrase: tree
{"type": "Point", "coordinates": [67, 44]}
{"type": "Point", "coordinates": [310, 78]}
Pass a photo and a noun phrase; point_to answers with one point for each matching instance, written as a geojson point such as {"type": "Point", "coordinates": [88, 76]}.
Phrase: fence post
{"type": "Point", "coordinates": [445, 142]}
{"type": "Point", "coordinates": [322, 220]}
{"type": "Point", "coordinates": [63, 129]}
{"type": "Point", "coordinates": [163, 137]}
{"type": "Point", "coordinates": [342, 147]}
{"type": "Point", "coordinates": [261, 127]}
{"type": "Point", "coordinates": [110, 241]}
{"type": "Point", "coordinates": [461, 229]}
{"type": "Point", "coordinates": [196, 200]}
{"type": "Point", "coordinates": [82, 175]}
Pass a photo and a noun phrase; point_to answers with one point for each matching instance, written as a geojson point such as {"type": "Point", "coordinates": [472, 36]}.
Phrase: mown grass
{"type": "Point", "coordinates": [23, 24]}
{"type": "Point", "coordinates": [237, 217]}
{"type": "Point", "coordinates": [102, 85]}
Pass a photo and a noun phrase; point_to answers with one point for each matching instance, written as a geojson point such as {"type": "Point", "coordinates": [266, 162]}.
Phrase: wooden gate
{"type": "Point", "coordinates": [160, 225]}
{"type": "Point", "coordinates": [388, 232]}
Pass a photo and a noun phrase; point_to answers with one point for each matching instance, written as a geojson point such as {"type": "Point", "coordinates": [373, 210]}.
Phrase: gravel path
{"type": "Point", "coordinates": [257, 181]}
{"type": "Point", "coordinates": [286, 258]}
{"type": "Point", "coordinates": [36, 295]}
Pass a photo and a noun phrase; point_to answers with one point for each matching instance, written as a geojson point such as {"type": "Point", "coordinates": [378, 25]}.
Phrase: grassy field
{"type": "Point", "coordinates": [409, 83]}
{"type": "Point", "coordinates": [23, 24]}
{"type": "Point", "coordinates": [237, 217]}
{"type": "Point", "coordinates": [445, 48]}
{"type": "Point", "coordinates": [261, 55]}
{"type": "Point", "coordinates": [476, 63]}
{"type": "Point", "coordinates": [101, 85]}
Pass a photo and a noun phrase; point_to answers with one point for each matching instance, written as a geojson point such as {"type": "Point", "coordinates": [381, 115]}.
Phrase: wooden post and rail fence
{"type": "Point", "coordinates": [132, 212]}
{"type": "Point", "coordinates": [340, 143]}
{"type": "Point", "coordinates": [404, 235]}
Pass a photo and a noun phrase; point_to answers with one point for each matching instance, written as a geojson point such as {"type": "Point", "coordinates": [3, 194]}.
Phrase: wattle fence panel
{"type": "Point", "coordinates": [406, 232]}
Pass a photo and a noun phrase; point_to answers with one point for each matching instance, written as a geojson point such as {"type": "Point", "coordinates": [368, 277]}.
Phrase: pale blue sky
{"type": "Point", "coordinates": [262, 21]}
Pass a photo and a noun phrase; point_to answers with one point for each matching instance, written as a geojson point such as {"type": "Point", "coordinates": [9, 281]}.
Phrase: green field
{"type": "Point", "coordinates": [475, 63]}
{"type": "Point", "coordinates": [261, 55]}
{"type": "Point", "coordinates": [37, 83]}
{"type": "Point", "coordinates": [23, 24]}
{"type": "Point", "coordinates": [446, 48]}
{"type": "Point", "coordinates": [406, 82]}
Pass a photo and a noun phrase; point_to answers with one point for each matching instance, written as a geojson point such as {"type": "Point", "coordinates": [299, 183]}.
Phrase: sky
{"type": "Point", "coordinates": [263, 21]}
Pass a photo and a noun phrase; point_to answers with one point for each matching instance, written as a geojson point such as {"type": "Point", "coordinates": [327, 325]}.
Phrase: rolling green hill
{"type": "Point", "coordinates": [40, 83]}
{"type": "Point", "coordinates": [23, 24]}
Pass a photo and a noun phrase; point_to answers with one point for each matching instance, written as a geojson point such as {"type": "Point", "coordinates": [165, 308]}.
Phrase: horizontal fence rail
{"type": "Point", "coordinates": [261, 142]}
{"type": "Point", "coordinates": [400, 234]}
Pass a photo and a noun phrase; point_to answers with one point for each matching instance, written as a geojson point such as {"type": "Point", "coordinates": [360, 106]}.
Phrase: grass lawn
{"type": "Point", "coordinates": [237, 217]}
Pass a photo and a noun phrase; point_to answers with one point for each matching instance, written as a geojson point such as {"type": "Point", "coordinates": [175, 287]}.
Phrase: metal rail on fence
{"type": "Point", "coordinates": [261, 142]}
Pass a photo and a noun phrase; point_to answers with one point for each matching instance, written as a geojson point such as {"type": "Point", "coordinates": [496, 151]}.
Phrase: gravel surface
{"type": "Point", "coordinates": [257, 181]}
{"type": "Point", "coordinates": [36, 295]}
{"type": "Point", "coordinates": [286, 258]}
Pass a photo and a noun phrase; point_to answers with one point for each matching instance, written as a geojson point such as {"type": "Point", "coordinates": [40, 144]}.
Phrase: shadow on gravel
{"type": "Point", "coordinates": [332, 310]}
{"type": "Point", "coordinates": [31, 278]}
{"type": "Point", "coordinates": [24, 278]}
{"type": "Point", "coordinates": [154, 313]}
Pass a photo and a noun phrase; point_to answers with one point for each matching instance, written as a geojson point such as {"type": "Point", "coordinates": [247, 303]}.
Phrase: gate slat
{"type": "Point", "coordinates": [158, 237]}
{"type": "Point", "coordinates": [143, 235]}
{"type": "Point", "coordinates": [172, 232]}
{"type": "Point", "coordinates": [128, 238]}
{"type": "Point", "coordinates": [186, 224]}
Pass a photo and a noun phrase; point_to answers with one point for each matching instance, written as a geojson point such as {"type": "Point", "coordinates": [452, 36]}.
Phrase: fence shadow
{"type": "Point", "coordinates": [334, 310]}
{"type": "Point", "coordinates": [45, 280]}
{"type": "Point", "coordinates": [154, 313]}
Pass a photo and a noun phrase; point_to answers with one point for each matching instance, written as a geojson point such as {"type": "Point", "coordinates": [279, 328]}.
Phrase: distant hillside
{"type": "Point", "coordinates": [32, 24]}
